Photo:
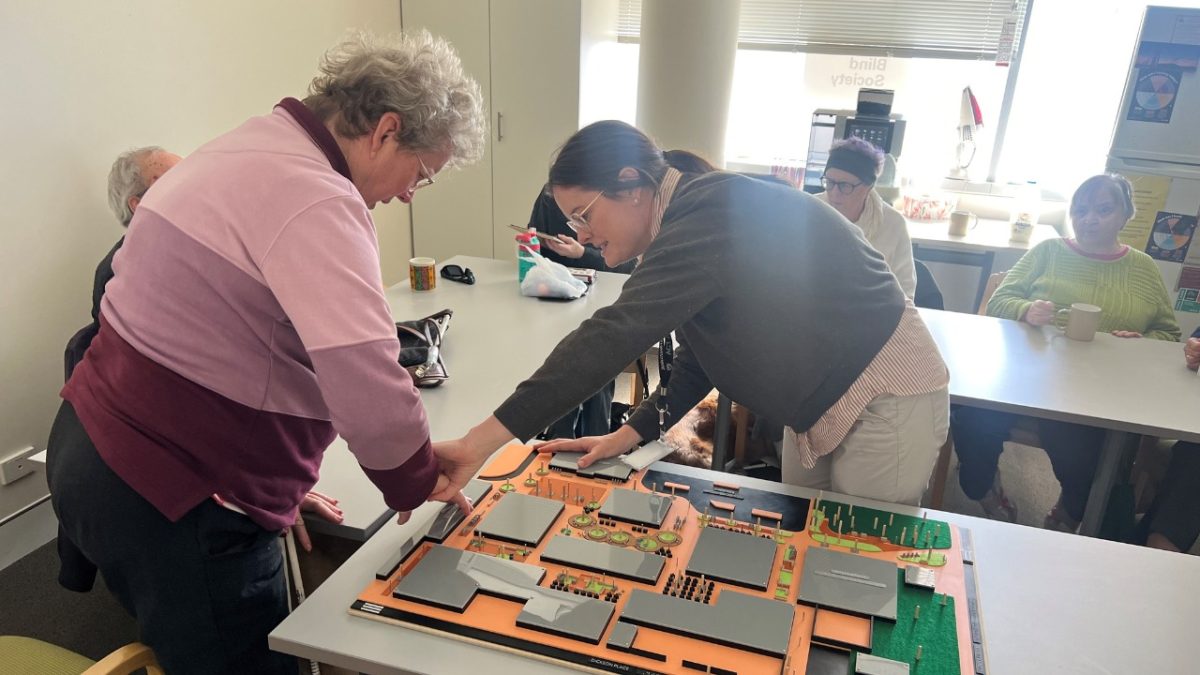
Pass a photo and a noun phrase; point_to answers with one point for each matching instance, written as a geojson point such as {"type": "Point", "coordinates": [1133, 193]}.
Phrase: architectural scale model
{"type": "Point", "coordinates": [612, 570]}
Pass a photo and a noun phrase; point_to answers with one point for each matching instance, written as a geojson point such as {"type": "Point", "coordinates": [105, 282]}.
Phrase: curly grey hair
{"type": "Point", "coordinates": [416, 75]}
{"type": "Point", "coordinates": [125, 180]}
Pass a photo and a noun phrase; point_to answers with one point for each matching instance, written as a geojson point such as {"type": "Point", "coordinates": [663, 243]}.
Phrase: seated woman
{"type": "Point", "coordinates": [593, 416]}
{"type": "Point", "coordinates": [849, 181]}
{"type": "Point", "coordinates": [775, 300]}
{"type": "Point", "coordinates": [1173, 521]}
{"type": "Point", "coordinates": [1095, 268]}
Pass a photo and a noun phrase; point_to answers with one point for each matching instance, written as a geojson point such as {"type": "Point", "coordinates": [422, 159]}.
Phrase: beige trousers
{"type": "Point", "coordinates": [888, 454]}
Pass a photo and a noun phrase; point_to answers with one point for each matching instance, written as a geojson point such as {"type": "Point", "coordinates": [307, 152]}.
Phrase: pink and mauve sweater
{"type": "Point", "coordinates": [245, 327]}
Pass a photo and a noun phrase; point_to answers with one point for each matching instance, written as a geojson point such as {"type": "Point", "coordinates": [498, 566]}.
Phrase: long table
{"type": "Point", "coordinates": [1050, 602]}
{"type": "Point", "coordinates": [1126, 386]}
{"type": "Point", "coordinates": [497, 338]}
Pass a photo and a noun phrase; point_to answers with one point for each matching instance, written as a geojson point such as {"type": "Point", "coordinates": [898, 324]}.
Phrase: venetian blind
{"type": "Point", "coordinates": [956, 29]}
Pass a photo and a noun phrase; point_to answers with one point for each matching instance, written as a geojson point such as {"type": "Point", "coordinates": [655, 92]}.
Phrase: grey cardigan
{"type": "Point", "coordinates": [776, 300]}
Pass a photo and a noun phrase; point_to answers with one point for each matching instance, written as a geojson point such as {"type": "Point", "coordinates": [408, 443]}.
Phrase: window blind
{"type": "Point", "coordinates": [956, 29]}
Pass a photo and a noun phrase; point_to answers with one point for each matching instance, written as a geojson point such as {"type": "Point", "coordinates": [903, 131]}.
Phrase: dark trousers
{"type": "Point", "coordinates": [593, 417]}
{"type": "Point", "coordinates": [205, 590]}
{"type": "Point", "coordinates": [1175, 513]}
{"type": "Point", "coordinates": [979, 436]}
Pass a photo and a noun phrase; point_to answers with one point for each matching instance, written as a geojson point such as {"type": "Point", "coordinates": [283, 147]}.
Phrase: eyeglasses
{"type": "Point", "coordinates": [843, 187]}
{"type": "Point", "coordinates": [577, 222]}
{"type": "Point", "coordinates": [425, 179]}
{"type": "Point", "coordinates": [462, 275]}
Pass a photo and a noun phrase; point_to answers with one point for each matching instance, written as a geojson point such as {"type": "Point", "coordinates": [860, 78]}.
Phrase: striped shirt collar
{"type": "Point", "coordinates": [662, 198]}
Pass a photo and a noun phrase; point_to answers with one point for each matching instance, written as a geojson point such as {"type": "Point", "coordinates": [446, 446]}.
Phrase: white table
{"type": "Point", "coordinates": [1125, 386]}
{"type": "Point", "coordinates": [932, 242]}
{"type": "Point", "coordinates": [1051, 603]}
{"type": "Point", "coordinates": [497, 338]}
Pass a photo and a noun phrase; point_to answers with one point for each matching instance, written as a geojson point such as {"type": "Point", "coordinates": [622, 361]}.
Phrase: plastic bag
{"type": "Point", "coordinates": [548, 279]}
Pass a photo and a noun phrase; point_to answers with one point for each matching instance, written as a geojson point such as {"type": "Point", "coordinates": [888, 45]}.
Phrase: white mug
{"type": "Point", "coordinates": [962, 222]}
{"type": "Point", "coordinates": [1080, 321]}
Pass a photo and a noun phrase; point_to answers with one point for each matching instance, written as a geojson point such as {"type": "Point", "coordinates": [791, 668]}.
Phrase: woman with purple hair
{"type": "Point", "coordinates": [849, 182]}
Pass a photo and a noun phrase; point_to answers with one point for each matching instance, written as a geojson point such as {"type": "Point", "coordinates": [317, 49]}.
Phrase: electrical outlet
{"type": "Point", "coordinates": [17, 466]}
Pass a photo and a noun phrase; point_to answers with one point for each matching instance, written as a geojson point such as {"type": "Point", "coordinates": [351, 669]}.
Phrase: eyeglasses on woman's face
{"type": "Point", "coordinates": [578, 221]}
{"type": "Point", "coordinates": [843, 187]}
{"type": "Point", "coordinates": [424, 178]}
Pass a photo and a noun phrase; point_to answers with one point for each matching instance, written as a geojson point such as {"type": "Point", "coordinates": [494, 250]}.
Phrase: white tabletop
{"type": "Point", "coordinates": [987, 236]}
{"type": "Point", "coordinates": [1135, 385]}
{"type": "Point", "coordinates": [486, 360]}
{"type": "Point", "coordinates": [1051, 603]}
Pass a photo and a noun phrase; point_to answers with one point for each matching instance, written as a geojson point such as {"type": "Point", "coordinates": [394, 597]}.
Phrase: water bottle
{"type": "Point", "coordinates": [1025, 211]}
{"type": "Point", "coordinates": [526, 243]}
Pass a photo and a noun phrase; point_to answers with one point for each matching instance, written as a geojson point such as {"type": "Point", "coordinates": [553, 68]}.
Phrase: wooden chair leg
{"type": "Point", "coordinates": [941, 471]}
{"type": "Point", "coordinates": [741, 434]}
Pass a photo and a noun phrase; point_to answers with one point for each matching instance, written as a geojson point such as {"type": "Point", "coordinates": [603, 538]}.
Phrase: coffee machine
{"type": "Point", "coordinates": [872, 121]}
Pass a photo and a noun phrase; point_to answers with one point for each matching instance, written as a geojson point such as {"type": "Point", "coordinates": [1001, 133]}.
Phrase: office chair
{"type": "Point", "coordinates": [26, 655]}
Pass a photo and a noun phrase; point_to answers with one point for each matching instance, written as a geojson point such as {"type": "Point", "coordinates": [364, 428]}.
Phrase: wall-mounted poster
{"type": "Point", "coordinates": [1171, 236]}
{"type": "Point", "coordinates": [1165, 53]}
{"type": "Point", "coordinates": [1149, 197]}
{"type": "Point", "coordinates": [1154, 94]}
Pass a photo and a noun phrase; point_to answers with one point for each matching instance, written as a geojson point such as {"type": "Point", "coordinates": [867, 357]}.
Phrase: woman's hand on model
{"type": "Point", "coordinates": [595, 447]}
{"type": "Point", "coordinates": [462, 458]}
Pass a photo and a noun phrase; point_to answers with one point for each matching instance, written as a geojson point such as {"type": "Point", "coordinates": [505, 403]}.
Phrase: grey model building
{"type": "Point", "coordinates": [597, 556]}
{"type": "Point", "coordinates": [849, 582]}
{"type": "Point", "coordinates": [640, 508]}
{"type": "Point", "coordinates": [520, 518]}
{"type": "Point", "coordinates": [451, 578]}
{"type": "Point", "coordinates": [737, 558]}
{"type": "Point", "coordinates": [867, 664]}
{"type": "Point", "coordinates": [736, 619]}
{"type": "Point", "coordinates": [435, 530]}
{"type": "Point", "coordinates": [611, 468]}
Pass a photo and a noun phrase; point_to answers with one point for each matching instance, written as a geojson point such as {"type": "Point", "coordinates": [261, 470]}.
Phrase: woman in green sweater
{"type": "Point", "coordinates": [1095, 268]}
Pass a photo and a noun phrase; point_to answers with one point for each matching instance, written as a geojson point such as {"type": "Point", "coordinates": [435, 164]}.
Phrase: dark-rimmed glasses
{"type": "Point", "coordinates": [462, 275]}
{"type": "Point", "coordinates": [425, 179]}
{"type": "Point", "coordinates": [842, 186]}
{"type": "Point", "coordinates": [577, 222]}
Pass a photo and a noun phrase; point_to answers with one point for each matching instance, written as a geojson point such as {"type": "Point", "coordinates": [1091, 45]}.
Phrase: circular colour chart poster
{"type": "Point", "coordinates": [1156, 91]}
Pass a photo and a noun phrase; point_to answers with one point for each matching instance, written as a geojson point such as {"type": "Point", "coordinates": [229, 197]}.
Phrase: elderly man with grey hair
{"type": "Point", "coordinates": [131, 176]}
{"type": "Point", "coordinates": [247, 327]}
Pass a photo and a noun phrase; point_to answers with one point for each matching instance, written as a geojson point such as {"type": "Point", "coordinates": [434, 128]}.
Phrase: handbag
{"type": "Point", "coordinates": [420, 348]}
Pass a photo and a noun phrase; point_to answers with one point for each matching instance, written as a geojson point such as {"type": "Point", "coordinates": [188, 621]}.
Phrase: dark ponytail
{"type": "Point", "coordinates": [594, 156]}
{"type": "Point", "coordinates": [687, 162]}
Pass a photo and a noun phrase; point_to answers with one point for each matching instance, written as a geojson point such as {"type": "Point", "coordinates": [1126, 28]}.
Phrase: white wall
{"type": "Point", "coordinates": [87, 80]}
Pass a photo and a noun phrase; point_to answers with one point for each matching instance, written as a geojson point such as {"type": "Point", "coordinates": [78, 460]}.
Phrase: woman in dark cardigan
{"type": "Point", "coordinates": [775, 299]}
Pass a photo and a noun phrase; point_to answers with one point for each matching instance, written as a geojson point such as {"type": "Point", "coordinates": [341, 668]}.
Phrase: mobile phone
{"type": "Point", "coordinates": [541, 235]}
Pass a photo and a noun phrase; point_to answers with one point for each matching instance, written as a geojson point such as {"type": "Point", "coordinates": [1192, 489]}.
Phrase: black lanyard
{"type": "Point", "coordinates": [666, 354]}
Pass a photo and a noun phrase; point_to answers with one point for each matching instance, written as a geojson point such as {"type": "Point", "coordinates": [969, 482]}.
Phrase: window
{"type": "Point", "coordinates": [1069, 89]}
{"type": "Point", "coordinates": [1064, 103]}
{"type": "Point", "coordinates": [969, 29]}
{"type": "Point", "coordinates": [769, 124]}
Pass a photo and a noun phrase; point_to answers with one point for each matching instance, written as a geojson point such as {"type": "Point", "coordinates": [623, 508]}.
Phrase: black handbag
{"type": "Point", "coordinates": [421, 348]}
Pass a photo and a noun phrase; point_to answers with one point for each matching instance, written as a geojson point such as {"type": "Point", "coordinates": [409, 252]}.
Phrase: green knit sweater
{"type": "Point", "coordinates": [1129, 289]}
